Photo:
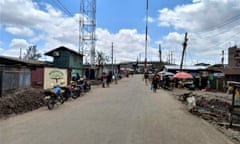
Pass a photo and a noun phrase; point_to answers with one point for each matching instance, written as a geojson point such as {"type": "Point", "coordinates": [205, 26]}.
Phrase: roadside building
{"type": "Point", "coordinates": [69, 59]}
{"type": "Point", "coordinates": [219, 76]}
{"type": "Point", "coordinates": [19, 73]}
{"type": "Point", "coordinates": [234, 56]}
{"type": "Point", "coordinates": [15, 73]}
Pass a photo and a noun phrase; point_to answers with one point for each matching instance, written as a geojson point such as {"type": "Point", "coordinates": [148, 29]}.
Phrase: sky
{"type": "Point", "coordinates": [212, 26]}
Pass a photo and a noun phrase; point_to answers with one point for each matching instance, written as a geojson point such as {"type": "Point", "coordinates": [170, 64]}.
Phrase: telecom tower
{"type": "Point", "coordinates": [87, 25]}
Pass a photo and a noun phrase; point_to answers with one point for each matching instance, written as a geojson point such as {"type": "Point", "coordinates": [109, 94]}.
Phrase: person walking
{"type": "Point", "coordinates": [109, 78]}
{"type": "Point", "coordinates": [146, 77]}
{"type": "Point", "coordinates": [116, 77]}
{"type": "Point", "coordinates": [104, 79]}
{"type": "Point", "coordinates": [155, 82]}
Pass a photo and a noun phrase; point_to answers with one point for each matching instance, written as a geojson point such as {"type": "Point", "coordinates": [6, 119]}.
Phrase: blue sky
{"type": "Point", "coordinates": [212, 26]}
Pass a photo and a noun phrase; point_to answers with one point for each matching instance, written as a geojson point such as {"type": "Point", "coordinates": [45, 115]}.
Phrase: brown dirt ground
{"type": "Point", "coordinates": [20, 101]}
{"type": "Point", "coordinates": [23, 100]}
{"type": "Point", "coordinates": [214, 108]}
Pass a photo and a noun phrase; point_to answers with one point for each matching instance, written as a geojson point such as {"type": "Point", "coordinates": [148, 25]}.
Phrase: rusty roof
{"type": "Point", "coordinates": [7, 60]}
{"type": "Point", "coordinates": [226, 71]}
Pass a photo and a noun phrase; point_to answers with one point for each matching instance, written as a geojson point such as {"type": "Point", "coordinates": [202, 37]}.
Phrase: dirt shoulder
{"type": "Point", "coordinates": [214, 108]}
{"type": "Point", "coordinates": [20, 101]}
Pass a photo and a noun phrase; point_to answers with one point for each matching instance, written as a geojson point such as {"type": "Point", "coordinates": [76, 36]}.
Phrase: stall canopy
{"type": "Point", "coordinates": [183, 75]}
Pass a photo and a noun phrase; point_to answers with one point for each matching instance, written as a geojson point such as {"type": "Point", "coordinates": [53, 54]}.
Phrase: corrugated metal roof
{"type": "Point", "coordinates": [177, 67]}
{"type": "Point", "coordinates": [15, 60]}
{"type": "Point", "coordinates": [50, 53]}
{"type": "Point", "coordinates": [231, 71]}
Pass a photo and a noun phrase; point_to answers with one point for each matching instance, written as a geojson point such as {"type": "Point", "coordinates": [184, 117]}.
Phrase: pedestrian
{"type": "Point", "coordinates": [104, 79]}
{"type": "Point", "coordinates": [108, 79]}
{"type": "Point", "coordinates": [154, 83]}
{"type": "Point", "coordinates": [146, 77]}
{"type": "Point", "coordinates": [115, 77]}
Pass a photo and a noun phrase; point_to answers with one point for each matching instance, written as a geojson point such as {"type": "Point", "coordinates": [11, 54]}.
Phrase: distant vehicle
{"type": "Point", "coordinates": [150, 74]}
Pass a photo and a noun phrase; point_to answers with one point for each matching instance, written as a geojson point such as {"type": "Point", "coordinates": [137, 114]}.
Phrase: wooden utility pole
{"type": "Point", "coordinates": [184, 48]}
{"type": "Point", "coordinates": [222, 59]}
{"type": "Point", "coordinates": [146, 40]}
{"type": "Point", "coordinates": [112, 57]}
{"type": "Point", "coordinates": [160, 53]}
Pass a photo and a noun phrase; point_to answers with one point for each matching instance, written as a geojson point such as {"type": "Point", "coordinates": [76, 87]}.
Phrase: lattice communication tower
{"type": "Point", "coordinates": [87, 23]}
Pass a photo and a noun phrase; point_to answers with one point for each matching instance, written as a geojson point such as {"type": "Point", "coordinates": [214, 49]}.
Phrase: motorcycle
{"type": "Point", "coordinates": [66, 93]}
{"type": "Point", "coordinates": [75, 90]}
{"type": "Point", "coordinates": [52, 98]}
{"type": "Point", "coordinates": [84, 85]}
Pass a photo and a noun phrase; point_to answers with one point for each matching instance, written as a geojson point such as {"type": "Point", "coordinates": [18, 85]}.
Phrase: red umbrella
{"type": "Point", "coordinates": [183, 75]}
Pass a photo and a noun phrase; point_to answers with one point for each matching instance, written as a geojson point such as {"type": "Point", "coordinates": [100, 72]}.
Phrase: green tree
{"type": "Point", "coordinates": [101, 60]}
{"type": "Point", "coordinates": [32, 54]}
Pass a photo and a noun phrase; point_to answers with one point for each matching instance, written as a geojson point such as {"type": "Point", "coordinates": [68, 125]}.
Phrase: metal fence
{"type": "Point", "coordinates": [14, 78]}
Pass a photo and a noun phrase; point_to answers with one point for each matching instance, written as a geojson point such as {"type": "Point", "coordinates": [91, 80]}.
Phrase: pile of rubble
{"type": "Point", "coordinates": [20, 101]}
{"type": "Point", "coordinates": [209, 104]}
{"type": "Point", "coordinates": [218, 109]}
{"type": "Point", "coordinates": [214, 107]}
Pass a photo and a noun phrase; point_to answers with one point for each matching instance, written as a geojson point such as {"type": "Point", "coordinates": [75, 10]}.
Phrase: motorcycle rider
{"type": "Point", "coordinates": [57, 89]}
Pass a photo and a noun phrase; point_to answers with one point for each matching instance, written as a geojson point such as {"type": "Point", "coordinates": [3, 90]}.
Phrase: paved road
{"type": "Point", "coordinates": [126, 113]}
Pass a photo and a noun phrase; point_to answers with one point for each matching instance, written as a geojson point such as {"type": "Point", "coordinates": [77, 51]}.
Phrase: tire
{"type": "Point", "coordinates": [60, 99]}
{"type": "Point", "coordinates": [50, 104]}
{"type": "Point", "coordinates": [75, 94]}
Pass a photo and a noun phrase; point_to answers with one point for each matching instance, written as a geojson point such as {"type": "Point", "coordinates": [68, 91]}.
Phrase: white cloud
{"type": "Point", "coordinates": [48, 26]}
{"type": "Point", "coordinates": [210, 26]}
{"type": "Point", "coordinates": [20, 31]}
{"type": "Point", "coordinates": [200, 16]}
{"type": "Point", "coordinates": [18, 43]}
{"type": "Point", "coordinates": [207, 23]}
{"type": "Point", "coordinates": [128, 45]}
{"type": "Point", "coordinates": [15, 46]}
{"type": "Point", "coordinates": [150, 20]}
{"type": "Point", "coordinates": [195, 1]}
{"type": "Point", "coordinates": [22, 12]}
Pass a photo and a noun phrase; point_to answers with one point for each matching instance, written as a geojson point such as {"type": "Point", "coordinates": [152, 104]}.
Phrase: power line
{"type": "Point", "coordinates": [62, 7]}
{"type": "Point", "coordinates": [226, 22]}
{"type": "Point", "coordinates": [216, 31]}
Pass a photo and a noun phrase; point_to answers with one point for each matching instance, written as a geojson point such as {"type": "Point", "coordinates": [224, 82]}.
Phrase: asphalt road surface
{"type": "Point", "coordinates": [126, 113]}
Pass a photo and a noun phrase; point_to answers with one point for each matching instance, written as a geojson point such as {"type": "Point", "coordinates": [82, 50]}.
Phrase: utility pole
{"type": "Point", "coordinates": [20, 57]}
{"type": "Point", "coordinates": [184, 48]}
{"type": "Point", "coordinates": [222, 59]}
{"type": "Point", "coordinates": [146, 44]}
{"type": "Point", "coordinates": [112, 57]}
{"type": "Point", "coordinates": [160, 53]}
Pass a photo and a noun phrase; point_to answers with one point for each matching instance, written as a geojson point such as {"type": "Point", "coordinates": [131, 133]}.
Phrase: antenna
{"type": "Point", "coordinates": [87, 23]}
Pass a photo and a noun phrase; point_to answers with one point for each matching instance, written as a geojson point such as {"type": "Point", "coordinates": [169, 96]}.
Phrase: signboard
{"type": "Point", "coordinates": [54, 76]}
{"type": "Point", "coordinates": [218, 75]}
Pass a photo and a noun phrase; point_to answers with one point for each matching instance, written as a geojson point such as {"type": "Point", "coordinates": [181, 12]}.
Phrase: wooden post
{"type": "Point", "coordinates": [184, 48]}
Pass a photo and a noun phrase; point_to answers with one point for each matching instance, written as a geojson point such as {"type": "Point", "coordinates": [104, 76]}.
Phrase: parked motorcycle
{"type": "Point", "coordinates": [75, 90]}
{"type": "Point", "coordinates": [66, 93]}
{"type": "Point", "coordinates": [52, 98]}
{"type": "Point", "coordinates": [84, 84]}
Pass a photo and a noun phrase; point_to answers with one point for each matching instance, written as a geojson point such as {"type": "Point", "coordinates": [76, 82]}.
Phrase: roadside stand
{"type": "Point", "coordinates": [235, 107]}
